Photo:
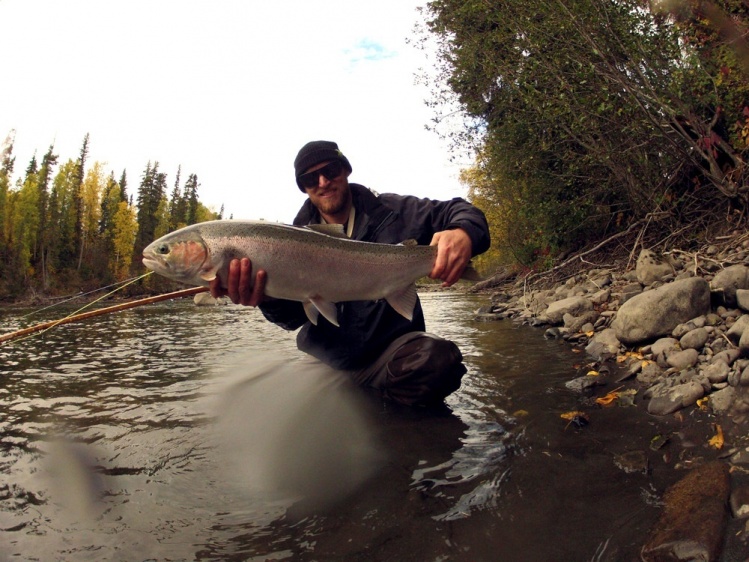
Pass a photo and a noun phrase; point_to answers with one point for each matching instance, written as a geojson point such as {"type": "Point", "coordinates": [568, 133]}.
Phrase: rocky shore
{"type": "Point", "coordinates": [668, 334]}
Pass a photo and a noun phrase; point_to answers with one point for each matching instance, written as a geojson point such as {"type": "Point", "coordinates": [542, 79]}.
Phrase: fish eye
{"type": "Point", "coordinates": [163, 249]}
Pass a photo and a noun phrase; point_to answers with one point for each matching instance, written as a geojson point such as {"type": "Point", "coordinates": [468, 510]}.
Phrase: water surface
{"type": "Point", "coordinates": [112, 434]}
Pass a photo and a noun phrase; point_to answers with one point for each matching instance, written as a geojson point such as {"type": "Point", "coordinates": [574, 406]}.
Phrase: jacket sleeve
{"type": "Point", "coordinates": [425, 217]}
{"type": "Point", "coordinates": [289, 315]}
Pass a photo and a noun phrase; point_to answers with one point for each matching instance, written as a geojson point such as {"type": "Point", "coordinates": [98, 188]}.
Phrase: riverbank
{"type": "Point", "coordinates": [662, 333]}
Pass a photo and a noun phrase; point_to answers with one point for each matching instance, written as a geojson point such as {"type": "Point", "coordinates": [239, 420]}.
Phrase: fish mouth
{"type": "Point", "coordinates": [154, 263]}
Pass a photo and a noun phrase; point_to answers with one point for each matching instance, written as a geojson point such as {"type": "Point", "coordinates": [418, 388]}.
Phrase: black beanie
{"type": "Point", "coordinates": [315, 152]}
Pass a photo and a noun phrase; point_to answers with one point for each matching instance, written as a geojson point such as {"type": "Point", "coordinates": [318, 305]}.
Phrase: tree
{"type": "Point", "coordinates": [90, 196]}
{"type": "Point", "coordinates": [43, 236]}
{"type": "Point", "coordinates": [151, 191]}
{"type": "Point", "coordinates": [589, 105]}
{"type": "Point", "coordinates": [78, 202]}
{"type": "Point", "coordinates": [7, 161]}
{"type": "Point", "coordinates": [177, 206]}
{"type": "Point", "coordinates": [124, 231]}
{"type": "Point", "coordinates": [63, 215]}
{"type": "Point", "coordinates": [191, 197]}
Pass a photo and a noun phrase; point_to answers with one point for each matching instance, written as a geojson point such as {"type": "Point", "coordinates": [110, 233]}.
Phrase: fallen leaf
{"type": "Point", "coordinates": [717, 441]}
{"type": "Point", "coordinates": [580, 419]}
{"type": "Point", "coordinates": [573, 415]}
{"type": "Point", "coordinates": [702, 403]}
{"type": "Point", "coordinates": [608, 399]}
{"type": "Point", "coordinates": [592, 373]}
{"type": "Point", "coordinates": [520, 413]}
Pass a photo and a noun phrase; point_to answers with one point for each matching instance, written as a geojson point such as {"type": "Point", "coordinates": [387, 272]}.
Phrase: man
{"type": "Point", "coordinates": [377, 346]}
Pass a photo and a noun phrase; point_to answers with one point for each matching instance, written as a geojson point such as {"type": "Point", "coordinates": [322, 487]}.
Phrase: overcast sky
{"type": "Point", "coordinates": [228, 89]}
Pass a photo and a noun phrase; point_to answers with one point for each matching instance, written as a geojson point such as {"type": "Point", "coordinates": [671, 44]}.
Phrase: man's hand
{"type": "Point", "coordinates": [454, 250]}
{"type": "Point", "coordinates": [239, 286]}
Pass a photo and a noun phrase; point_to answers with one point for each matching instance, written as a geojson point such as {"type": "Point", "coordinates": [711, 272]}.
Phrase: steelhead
{"type": "Point", "coordinates": [316, 265]}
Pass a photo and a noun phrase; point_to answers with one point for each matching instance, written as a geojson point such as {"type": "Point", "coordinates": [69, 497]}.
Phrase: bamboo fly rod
{"type": "Point", "coordinates": [100, 311]}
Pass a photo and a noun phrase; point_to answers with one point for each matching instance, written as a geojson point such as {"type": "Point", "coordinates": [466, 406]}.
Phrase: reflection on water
{"type": "Point", "coordinates": [114, 446]}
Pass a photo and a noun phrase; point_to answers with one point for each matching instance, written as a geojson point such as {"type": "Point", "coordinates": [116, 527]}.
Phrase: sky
{"type": "Point", "coordinates": [229, 90]}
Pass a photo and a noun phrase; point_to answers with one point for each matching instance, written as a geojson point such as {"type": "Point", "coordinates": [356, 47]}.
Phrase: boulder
{"type": "Point", "coordinates": [729, 280]}
{"type": "Point", "coordinates": [571, 305]}
{"type": "Point", "coordinates": [657, 312]}
{"type": "Point", "coordinates": [651, 268]}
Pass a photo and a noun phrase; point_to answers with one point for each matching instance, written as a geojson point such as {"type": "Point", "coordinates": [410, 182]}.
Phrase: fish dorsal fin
{"type": "Point", "coordinates": [329, 229]}
{"type": "Point", "coordinates": [316, 306]}
{"type": "Point", "coordinates": [404, 301]}
{"type": "Point", "coordinates": [409, 242]}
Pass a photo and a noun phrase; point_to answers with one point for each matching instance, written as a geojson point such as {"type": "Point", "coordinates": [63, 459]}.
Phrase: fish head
{"type": "Point", "coordinates": [181, 256]}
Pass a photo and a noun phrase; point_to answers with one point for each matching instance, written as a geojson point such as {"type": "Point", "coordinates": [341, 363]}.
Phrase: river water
{"type": "Point", "coordinates": [176, 432]}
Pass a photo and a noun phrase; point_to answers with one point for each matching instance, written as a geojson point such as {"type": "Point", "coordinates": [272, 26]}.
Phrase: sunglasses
{"type": "Point", "coordinates": [312, 179]}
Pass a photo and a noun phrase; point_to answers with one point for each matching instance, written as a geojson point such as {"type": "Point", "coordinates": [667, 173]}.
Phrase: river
{"type": "Point", "coordinates": [176, 432]}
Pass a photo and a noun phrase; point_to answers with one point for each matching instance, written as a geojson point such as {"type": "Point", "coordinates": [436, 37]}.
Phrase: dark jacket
{"type": "Point", "coordinates": [368, 327]}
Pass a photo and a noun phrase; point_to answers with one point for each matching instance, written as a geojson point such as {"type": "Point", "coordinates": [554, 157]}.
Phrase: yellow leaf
{"type": "Point", "coordinates": [573, 415]}
{"type": "Point", "coordinates": [590, 334]}
{"type": "Point", "coordinates": [702, 403]}
{"type": "Point", "coordinates": [520, 413]}
{"type": "Point", "coordinates": [608, 399]}
{"type": "Point", "coordinates": [592, 373]}
{"type": "Point", "coordinates": [717, 440]}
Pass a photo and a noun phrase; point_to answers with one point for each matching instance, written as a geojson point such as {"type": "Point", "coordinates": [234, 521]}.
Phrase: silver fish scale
{"type": "Point", "coordinates": [302, 264]}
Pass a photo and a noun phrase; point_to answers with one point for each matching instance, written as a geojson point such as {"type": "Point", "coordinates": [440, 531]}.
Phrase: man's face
{"type": "Point", "coordinates": [330, 195]}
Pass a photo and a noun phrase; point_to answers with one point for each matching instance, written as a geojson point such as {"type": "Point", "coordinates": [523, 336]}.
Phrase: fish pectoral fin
{"type": "Point", "coordinates": [311, 312]}
{"type": "Point", "coordinates": [208, 274]}
{"type": "Point", "coordinates": [317, 305]}
{"type": "Point", "coordinates": [404, 301]}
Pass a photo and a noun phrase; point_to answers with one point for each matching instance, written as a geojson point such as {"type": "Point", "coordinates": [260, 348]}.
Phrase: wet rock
{"type": "Point", "coordinates": [729, 280]}
{"type": "Point", "coordinates": [658, 311]}
{"type": "Point", "coordinates": [666, 399]}
{"type": "Point", "coordinates": [603, 345]}
{"type": "Point", "coordinates": [684, 359]}
{"type": "Point", "coordinates": [694, 516]}
{"type": "Point", "coordinates": [488, 317]}
{"type": "Point", "coordinates": [599, 351]}
{"type": "Point", "coordinates": [651, 267]}
{"type": "Point", "coordinates": [694, 339]}
{"type": "Point", "coordinates": [571, 305]}
{"type": "Point", "coordinates": [649, 373]}
{"type": "Point", "coordinates": [581, 384]}
{"type": "Point", "coordinates": [632, 462]}
{"type": "Point", "coordinates": [740, 501]}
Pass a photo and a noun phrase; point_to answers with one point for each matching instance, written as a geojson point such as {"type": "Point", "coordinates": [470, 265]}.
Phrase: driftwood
{"type": "Point", "coordinates": [498, 278]}
{"type": "Point", "coordinates": [100, 311]}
